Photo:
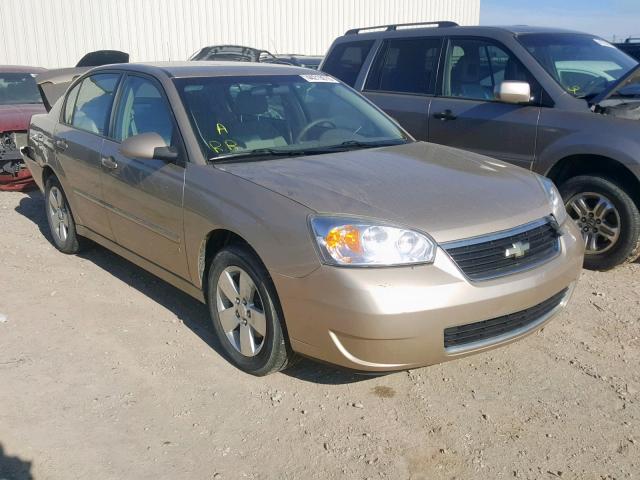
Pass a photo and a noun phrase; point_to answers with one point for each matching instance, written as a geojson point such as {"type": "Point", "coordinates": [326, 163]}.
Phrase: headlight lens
{"type": "Point", "coordinates": [357, 242]}
{"type": "Point", "coordinates": [557, 205]}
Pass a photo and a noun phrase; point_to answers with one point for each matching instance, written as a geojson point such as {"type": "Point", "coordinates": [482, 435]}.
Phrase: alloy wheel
{"type": "Point", "coordinates": [58, 214]}
{"type": "Point", "coordinates": [241, 311]}
{"type": "Point", "coordinates": [598, 220]}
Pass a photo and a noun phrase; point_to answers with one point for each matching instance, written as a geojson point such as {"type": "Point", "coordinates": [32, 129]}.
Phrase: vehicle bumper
{"type": "Point", "coordinates": [33, 166]}
{"type": "Point", "coordinates": [383, 319]}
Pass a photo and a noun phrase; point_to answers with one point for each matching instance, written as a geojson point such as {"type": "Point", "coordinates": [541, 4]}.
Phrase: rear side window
{"type": "Point", "coordinates": [407, 65]}
{"type": "Point", "coordinates": [346, 59]}
{"type": "Point", "coordinates": [70, 104]}
{"type": "Point", "coordinates": [93, 104]}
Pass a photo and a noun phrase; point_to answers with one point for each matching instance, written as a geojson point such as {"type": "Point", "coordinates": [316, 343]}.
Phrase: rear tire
{"type": "Point", "coordinates": [588, 191]}
{"type": "Point", "coordinates": [244, 307]}
{"type": "Point", "coordinates": [60, 219]}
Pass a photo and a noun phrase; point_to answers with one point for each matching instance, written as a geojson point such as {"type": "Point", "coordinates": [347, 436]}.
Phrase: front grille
{"type": "Point", "coordinates": [488, 257]}
{"type": "Point", "coordinates": [463, 335]}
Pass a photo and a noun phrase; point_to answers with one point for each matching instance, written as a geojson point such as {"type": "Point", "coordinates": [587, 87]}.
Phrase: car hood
{"type": "Point", "coordinates": [450, 194]}
{"type": "Point", "coordinates": [631, 77]}
{"type": "Point", "coordinates": [17, 117]}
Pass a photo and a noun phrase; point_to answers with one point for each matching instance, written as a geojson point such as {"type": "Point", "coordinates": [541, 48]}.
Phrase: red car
{"type": "Point", "coordinates": [19, 99]}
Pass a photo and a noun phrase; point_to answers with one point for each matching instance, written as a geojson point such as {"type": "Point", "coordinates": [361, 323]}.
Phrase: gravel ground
{"type": "Point", "coordinates": [109, 373]}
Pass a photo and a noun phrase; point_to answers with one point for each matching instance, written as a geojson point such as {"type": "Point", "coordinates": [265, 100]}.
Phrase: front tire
{"type": "Point", "coordinates": [245, 311]}
{"type": "Point", "coordinates": [60, 218]}
{"type": "Point", "coordinates": [608, 218]}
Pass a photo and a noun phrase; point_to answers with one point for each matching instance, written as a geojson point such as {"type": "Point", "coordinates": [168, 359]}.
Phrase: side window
{"type": "Point", "coordinates": [94, 102]}
{"type": "Point", "coordinates": [473, 68]}
{"type": "Point", "coordinates": [142, 109]}
{"type": "Point", "coordinates": [406, 65]}
{"type": "Point", "coordinates": [70, 104]}
{"type": "Point", "coordinates": [346, 59]}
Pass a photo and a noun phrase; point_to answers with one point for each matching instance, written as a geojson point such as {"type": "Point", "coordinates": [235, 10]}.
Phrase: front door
{"type": "Point", "coordinates": [78, 142]}
{"type": "Point", "coordinates": [144, 197]}
{"type": "Point", "coordinates": [467, 115]}
{"type": "Point", "coordinates": [402, 80]}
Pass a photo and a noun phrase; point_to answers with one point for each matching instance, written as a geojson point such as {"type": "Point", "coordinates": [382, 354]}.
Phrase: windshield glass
{"type": "Point", "coordinates": [237, 115]}
{"type": "Point", "coordinates": [583, 65]}
{"type": "Point", "coordinates": [18, 88]}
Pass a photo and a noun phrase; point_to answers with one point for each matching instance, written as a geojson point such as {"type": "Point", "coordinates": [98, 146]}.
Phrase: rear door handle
{"type": "Point", "coordinates": [446, 115]}
{"type": "Point", "coordinates": [109, 162]}
{"type": "Point", "coordinates": [61, 145]}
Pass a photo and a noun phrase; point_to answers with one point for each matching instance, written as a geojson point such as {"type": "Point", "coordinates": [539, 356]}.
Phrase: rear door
{"type": "Point", "coordinates": [78, 141]}
{"type": "Point", "coordinates": [467, 115]}
{"type": "Point", "coordinates": [403, 79]}
{"type": "Point", "coordinates": [144, 197]}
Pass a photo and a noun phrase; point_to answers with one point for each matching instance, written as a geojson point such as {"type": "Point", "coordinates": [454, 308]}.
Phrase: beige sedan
{"type": "Point", "coordinates": [306, 219]}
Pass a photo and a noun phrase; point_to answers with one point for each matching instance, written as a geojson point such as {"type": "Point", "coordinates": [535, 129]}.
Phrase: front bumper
{"type": "Point", "coordinates": [382, 319]}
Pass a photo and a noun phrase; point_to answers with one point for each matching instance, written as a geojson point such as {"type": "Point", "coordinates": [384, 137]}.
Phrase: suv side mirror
{"type": "Point", "coordinates": [511, 91]}
{"type": "Point", "coordinates": [148, 146]}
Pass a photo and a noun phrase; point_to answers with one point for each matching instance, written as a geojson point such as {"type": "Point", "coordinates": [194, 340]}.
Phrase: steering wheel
{"type": "Point", "coordinates": [315, 123]}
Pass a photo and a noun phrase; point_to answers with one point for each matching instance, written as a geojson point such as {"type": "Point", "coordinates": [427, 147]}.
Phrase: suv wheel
{"type": "Point", "coordinates": [244, 307]}
{"type": "Point", "coordinates": [608, 218]}
{"type": "Point", "coordinates": [60, 218]}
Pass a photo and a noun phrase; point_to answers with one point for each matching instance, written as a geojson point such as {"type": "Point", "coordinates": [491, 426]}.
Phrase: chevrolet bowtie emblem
{"type": "Point", "coordinates": [517, 250]}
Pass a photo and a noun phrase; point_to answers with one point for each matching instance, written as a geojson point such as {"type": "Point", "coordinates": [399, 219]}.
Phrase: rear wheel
{"type": "Point", "coordinates": [608, 219]}
{"type": "Point", "coordinates": [245, 312]}
{"type": "Point", "coordinates": [60, 218]}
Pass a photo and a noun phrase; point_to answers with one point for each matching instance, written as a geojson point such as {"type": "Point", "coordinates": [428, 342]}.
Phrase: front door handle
{"type": "Point", "coordinates": [444, 116]}
{"type": "Point", "coordinates": [109, 162]}
{"type": "Point", "coordinates": [61, 145]}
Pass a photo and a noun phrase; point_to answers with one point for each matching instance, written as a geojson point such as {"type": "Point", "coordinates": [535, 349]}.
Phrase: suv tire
{"type": "Point", "coordinates": [627, 246]}
{"type": "Point", "coordinates": [246, 314]}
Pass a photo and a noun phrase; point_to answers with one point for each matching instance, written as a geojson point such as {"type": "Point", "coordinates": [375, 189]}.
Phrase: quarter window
{"type": "Point", "coordinates": [474, 68]}
{"type": "Point", "coordinates": [346, 59]}
{"type": "Point", "coordinates": [93, 105]}
{"type": "Point", "coordinates": [142, 109]}
{"type": "Point", "coordinates": [406, 65]}
{"type": "Point", "coordinates": [70, 104]}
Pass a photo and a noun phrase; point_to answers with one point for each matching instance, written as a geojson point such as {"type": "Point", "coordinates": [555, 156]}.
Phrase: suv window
{"type": "Point", "coordinates": [474, 67]}
{"type": "Point", "coordinates": [407, 65]}
{"type": "Point", "coordinates": [142, 108]}
{"type": "Point", "coordinates": [346, 59]}
{"type": "Point", "coordinates": [93, 105]}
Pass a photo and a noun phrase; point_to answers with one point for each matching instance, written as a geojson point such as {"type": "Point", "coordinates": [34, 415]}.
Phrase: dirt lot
{"type": "Point", "coordinates": [108, 373]}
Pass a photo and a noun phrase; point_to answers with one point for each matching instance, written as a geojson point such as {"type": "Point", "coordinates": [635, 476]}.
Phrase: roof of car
{"type": "Point", "coordinates": [212, 69]}
{"type": "Point", "coordinates": [447, 29]}
{"type": "Point", "coordinates": [20, 69]}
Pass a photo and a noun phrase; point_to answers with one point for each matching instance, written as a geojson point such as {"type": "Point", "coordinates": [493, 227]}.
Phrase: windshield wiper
{"type": "Point", "coordinates": [256, 154]}
{"type": "Point", "coordinates": [348, 144]}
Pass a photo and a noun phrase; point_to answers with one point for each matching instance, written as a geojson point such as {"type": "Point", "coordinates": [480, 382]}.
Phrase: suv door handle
{"type": "Point", "coordinates": [61, 145]}
{"type": "Point", "coordinates": [109, 162]}
{"type": "Point", "coordinates": [446, 115]}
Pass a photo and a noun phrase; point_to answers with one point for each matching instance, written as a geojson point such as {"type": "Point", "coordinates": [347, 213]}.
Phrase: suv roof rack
{"type": "Point", "coordinates": [632, 40]}
{"type": "Point", "coordinates": [391, 28]}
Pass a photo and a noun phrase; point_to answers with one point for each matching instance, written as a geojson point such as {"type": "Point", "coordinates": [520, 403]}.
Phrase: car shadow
{"type": "Point", "coordinates": [14, 468]}
{"type": "Point", "coordinates": [188, 310]}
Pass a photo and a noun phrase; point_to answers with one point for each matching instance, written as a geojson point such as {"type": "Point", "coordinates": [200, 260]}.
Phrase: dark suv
{"type": "Point", "coordinates": [564, 104]}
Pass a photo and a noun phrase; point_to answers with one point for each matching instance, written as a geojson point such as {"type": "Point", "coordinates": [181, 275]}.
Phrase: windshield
{"type": "Point", "coordinates": [583, 65]}
{"type": "Point", "coordinates": [18, 88]}
{"type": "Point", "coordinates": [310, 113]}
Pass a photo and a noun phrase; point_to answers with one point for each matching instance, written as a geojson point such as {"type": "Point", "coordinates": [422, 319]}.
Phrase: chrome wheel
{"type": "Point", "coordinates": [241, 311]}
{"type": "Point", "coordinates": [58, 214]}
{"type": "Point", "coordinates": [598, 220]}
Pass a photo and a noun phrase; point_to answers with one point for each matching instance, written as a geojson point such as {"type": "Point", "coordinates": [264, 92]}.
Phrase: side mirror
{"type": "Point", "coordinates": [148, 146]}
{"type": "Point", "coordinates": [513, 92]}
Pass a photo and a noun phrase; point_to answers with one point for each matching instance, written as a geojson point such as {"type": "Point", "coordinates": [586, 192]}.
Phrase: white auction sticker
{"type": "Point", "coordinates": [319, 78]}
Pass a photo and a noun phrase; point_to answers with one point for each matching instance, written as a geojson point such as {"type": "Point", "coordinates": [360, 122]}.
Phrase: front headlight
{"type": "Point", "coordinates": [356, 242]}
{"type": "Point", "coordinates": [557, 205]}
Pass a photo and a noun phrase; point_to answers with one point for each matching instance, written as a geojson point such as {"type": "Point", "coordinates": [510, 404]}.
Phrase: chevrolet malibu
{"type": "Point", "coordinates": [308, 221]}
